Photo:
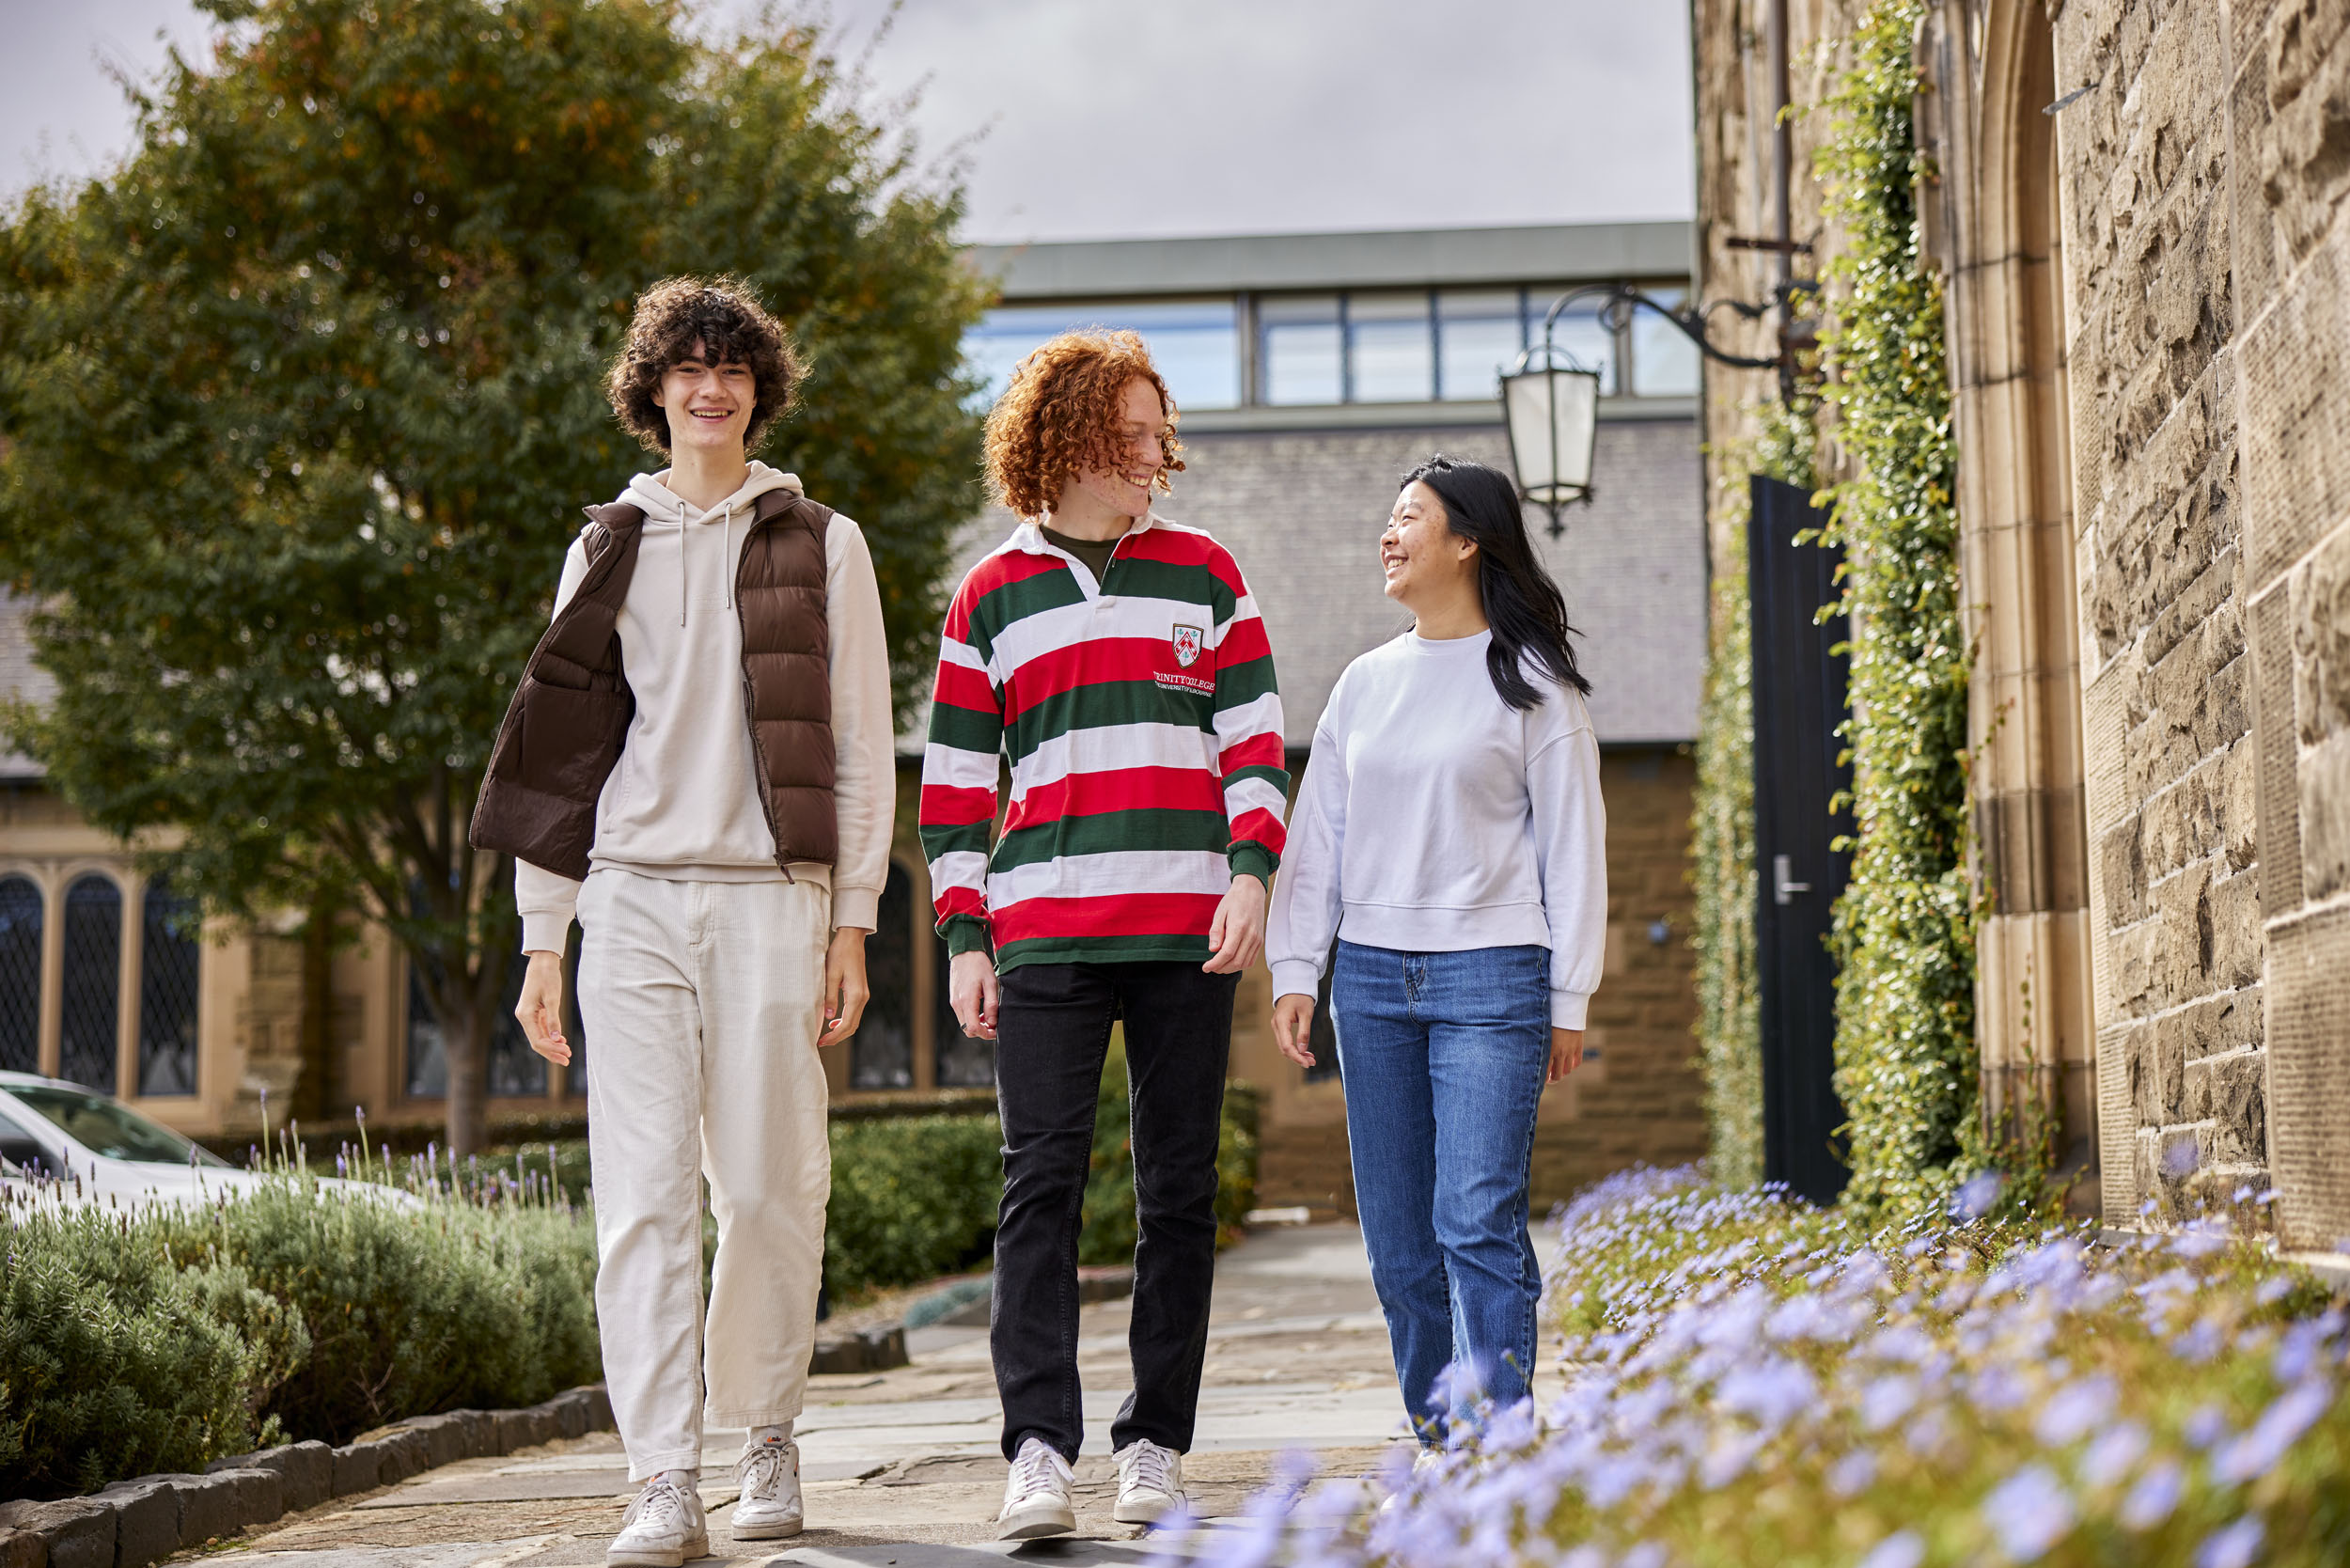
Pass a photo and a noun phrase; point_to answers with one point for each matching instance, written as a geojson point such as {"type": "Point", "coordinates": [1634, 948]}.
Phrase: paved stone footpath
{"type": "Point", "coordinates": [901, 1468]}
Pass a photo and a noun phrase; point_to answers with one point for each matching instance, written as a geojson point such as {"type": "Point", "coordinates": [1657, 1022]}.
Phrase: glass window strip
{"type": "Point", "coordinates": [170, 974]}
{"type": "Point", "coordinates": [23, 916]}
{"type": "Point", "coordinates": [92, 999]}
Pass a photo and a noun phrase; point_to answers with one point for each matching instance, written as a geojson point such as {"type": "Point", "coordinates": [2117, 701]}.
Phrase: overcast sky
{"type": "Point", "coordinates": [1105, 119]}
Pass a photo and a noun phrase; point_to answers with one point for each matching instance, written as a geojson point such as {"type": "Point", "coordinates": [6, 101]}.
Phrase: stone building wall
{"type": "Point", "coordinates": [2180, 304]}
{"type": "Point", "coordinates": [2153, 352]}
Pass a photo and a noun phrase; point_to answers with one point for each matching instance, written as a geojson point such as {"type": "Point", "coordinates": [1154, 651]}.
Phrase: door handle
{"type": "Point", "coordinates": [1783, 887]}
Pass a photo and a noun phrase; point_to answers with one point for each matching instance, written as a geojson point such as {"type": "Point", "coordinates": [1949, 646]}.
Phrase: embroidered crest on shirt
{"type": "Point", "coordinates": [1186, 645]}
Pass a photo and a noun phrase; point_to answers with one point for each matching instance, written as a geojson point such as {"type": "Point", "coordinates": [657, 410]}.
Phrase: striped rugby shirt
{"type": "Point", "coordinates": [1144, 731]}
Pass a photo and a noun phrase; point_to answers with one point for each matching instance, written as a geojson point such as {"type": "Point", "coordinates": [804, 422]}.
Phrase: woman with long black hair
{"type": "Point", "coordinates": [1449, 835]}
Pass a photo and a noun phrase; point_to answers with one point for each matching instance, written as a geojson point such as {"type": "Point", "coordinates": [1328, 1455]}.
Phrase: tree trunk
{"type": "Point", "coordinates": [466, 1044]}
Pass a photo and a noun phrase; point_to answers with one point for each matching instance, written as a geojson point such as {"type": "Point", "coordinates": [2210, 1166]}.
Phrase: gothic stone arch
{"type": "Point", "coordinates": [1994, 227]}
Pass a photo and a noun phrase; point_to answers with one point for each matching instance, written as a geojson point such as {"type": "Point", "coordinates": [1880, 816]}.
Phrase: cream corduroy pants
{"type": "Point", "coordinates": [701, 1002]}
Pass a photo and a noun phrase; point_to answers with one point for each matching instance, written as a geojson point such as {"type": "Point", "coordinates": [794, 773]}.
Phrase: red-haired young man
{"type": "Point", "coordinates": [1117, 660]}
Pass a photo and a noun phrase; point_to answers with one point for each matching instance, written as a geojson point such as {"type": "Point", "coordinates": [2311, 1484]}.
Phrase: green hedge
{"type": "Point", "coordinates": [1905, 928]}
{"type": "Point", "coordinates": [130, 1345]}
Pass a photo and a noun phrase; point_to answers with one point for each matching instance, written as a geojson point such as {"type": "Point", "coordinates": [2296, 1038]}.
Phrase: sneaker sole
{"type": "Point", "coordinates": [1141, 1513]}
{"type": "Point", "coordinates": [1035, 1523]}
{"type": "Point", "coordinates": [676, 1556]}
{"type": "Point", "coordinates": [782, 1530]}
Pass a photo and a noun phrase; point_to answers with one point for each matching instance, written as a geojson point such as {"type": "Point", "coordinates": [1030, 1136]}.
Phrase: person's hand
{"type": "Point", "coordinates": [1237, 933]}
{"type": "Point", "coordinates": [845, 992]}
{"type": "Point", "coordinates": [1566, 1052]}
{"type": "Point", "coordinates": [541, 1008]}
{"type": "Point", "coordinates": [971, 988]}
{"type": "Point", "coordinates": [1293, 1027]}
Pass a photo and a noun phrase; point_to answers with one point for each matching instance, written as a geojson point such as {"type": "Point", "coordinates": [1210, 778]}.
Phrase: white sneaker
{"type": "Point", "coordinates": [662, 1528]}
{"type": "Point", "coordinates": [1150, 1482]}
{"type": "Point", "coordinates": [1036, 1497]}
{"type": "Point", "coordinates": [769, 1507]}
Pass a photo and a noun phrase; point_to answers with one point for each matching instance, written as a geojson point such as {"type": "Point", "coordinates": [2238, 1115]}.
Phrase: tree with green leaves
{"type": "Point", "coordinates": [298, 404]}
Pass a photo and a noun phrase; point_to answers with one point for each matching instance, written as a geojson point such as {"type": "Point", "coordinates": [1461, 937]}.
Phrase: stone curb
{"type": "Point", "coordinates": [133, 1523]}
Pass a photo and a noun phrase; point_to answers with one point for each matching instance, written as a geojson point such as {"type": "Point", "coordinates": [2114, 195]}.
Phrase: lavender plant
{"type": "Point", "coordinates": [1753, 1382]}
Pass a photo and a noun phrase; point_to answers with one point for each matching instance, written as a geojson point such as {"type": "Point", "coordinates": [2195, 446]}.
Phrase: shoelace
{"type": "Point", "coordinates": [1152, 1467]}
{"type": "Point", "coordinates": [1034, 1469]}
{"type": "Point", "coordinates": [661, 1502]}
{"type": "Point", "coordinates": [761, 1470]}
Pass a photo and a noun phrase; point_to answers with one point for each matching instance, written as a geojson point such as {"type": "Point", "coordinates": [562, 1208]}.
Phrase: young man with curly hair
{"type": "Point", "coordinates": [1117, 660]}
{"type": "Point", "coordinates": [700, 762]}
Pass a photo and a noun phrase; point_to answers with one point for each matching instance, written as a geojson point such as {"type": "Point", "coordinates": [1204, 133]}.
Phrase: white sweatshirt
{"type": "Point", "coordinates": [682, 802]}
{"type": "Point", "coordinates": [1473, 825]}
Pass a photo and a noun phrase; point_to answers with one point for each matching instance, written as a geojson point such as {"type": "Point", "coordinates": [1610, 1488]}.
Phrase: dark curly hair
{"type": "Point", "coordinates": [1060, 416]}
{"type": "Point", "coordinates": [726, 319]}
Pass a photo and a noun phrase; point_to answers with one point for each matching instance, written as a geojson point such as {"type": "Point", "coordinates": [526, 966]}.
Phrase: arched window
{"type": "Point", "coordinates": [93, 981]}
{"type": "Point", "coordinates": [881, 1053]}
{"type": "Point", "coordinates": [169, 963]}
{"type": "Point", "coordinates": [20, 974]}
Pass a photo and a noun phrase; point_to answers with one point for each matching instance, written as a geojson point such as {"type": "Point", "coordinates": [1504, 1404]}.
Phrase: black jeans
{"type": "Point", "coordinates": [1053, 1031]}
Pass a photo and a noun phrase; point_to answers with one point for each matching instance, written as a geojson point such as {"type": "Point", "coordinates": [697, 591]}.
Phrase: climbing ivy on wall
{"type": "Point", "coordinates": [1905, 929]}
{"type": "Point", "coordinates": [1721, 854]}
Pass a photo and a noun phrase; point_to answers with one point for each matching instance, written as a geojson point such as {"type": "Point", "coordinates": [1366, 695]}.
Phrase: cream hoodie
{"type": "Point", "coordinates": [682, 802]}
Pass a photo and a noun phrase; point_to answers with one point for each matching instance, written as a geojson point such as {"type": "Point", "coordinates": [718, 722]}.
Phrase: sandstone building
{"type": "Point", "coordinates": [2136, 209]}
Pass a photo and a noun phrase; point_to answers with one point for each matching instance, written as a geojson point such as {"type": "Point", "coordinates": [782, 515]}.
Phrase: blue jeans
{"type": "Point", "coordinates": [1443, 1057]}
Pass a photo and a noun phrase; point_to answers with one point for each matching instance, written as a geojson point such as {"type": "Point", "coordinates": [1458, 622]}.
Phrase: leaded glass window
{"type": "Point", "coordinates": [20, 974]}
{"type": "Point", "coordinates": [881, 1053]}
{"type": "Point", "coordinates": [93, 981]}
{"type": "Point", "coordinates": [169, 963]}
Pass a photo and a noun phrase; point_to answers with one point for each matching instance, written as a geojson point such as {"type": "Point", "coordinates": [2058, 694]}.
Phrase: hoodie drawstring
{"type": "Point", "coordinates": [686, 566]}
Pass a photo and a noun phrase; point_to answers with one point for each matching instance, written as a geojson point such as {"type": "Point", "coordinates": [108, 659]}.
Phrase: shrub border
{"type": "Point", "coordinates": [148, 1518]}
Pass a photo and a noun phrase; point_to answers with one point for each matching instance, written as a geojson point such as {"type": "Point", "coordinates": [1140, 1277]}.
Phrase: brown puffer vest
{"type": "Point", "coordinates": [570, 716]}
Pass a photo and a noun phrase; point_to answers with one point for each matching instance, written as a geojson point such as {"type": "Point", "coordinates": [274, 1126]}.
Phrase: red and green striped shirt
{"type": "Point", "coordinates": [1144, 731]}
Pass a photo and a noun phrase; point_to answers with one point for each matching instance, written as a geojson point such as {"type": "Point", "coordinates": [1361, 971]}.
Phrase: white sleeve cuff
{"type": "Point", "coordinates": [1569, 1009]}
{"type": "Point", "coordinates": [859, 907]}
{"type": "Point", "coordinates": [547, 930]}
{"type": "Point", "coordinates": [1296, 977]}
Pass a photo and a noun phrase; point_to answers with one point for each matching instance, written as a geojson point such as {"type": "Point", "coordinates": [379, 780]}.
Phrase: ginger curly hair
{"type": "Point", "coordinates": [725, 317]}
{"type": "Point", "coordinates": [1060, 416]}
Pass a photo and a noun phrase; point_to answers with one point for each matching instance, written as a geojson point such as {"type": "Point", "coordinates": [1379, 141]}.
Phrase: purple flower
{"type": "Point", "coordinates": [2073, 1410]}
{"type": "Point", "coordinates": [1997, 1388]}
{"type": "Point", "coordinates": [2029, 1511]}
{"type": "Point", "coordinates": [1978, 1197]}
{"type": "Point", "coordinates": [1887, 1400]}
{"type": "Point", "coordinates": [1774, 1392]}
{"type": "Point", "coordinates": [2281, 1425]}
{"type": "Point", "coordinates": [2110, 1458]}
{"type": "Point", "coordinates": [2206, 1427]}
{"type": "Point", "coordinates": [1851, 1475]}
{"type": "Point", "coordinates": [2231, 1545]}
{"type": "Point", "coordinates": [2155, 1494]}
{"type": "Point", "coordinates": [1903, 1548]}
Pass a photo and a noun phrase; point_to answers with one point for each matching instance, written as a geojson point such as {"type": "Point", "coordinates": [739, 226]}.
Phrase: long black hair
{"type": "Point", "coordinates": [1526, 611]}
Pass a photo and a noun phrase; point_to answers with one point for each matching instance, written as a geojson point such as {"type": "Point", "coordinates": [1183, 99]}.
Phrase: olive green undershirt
{"type": "Point", "coordinates": [1095, 553]}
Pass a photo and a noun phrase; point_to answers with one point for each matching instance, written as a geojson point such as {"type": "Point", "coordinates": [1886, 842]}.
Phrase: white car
{"type": "Point", "coordinates": [64, 1142]}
